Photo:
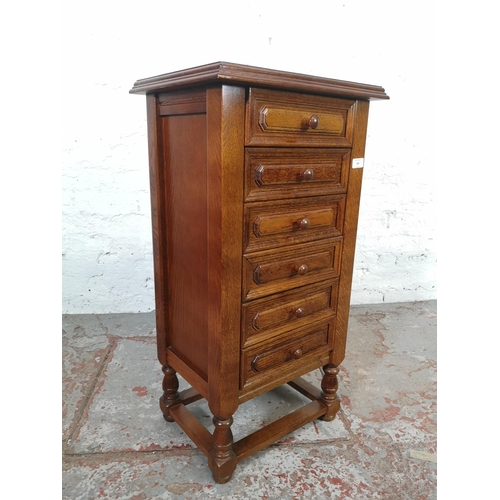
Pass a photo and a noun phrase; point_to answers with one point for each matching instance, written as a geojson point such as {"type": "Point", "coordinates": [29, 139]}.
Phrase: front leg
{"type": "Point", "coordinates": [329, 386]}
{"type": "Point", "coordinates": [170, 392]}
{"type": "Point", "coordinates": [222, 459]}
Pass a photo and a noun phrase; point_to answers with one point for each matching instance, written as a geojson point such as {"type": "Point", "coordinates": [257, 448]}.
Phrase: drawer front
{"type": "Point", "coordinates": [272, 173]}
{"type": "Point", "coordinates": [276, 224]}
{"type": "Point", "coordinates": [265, 360]}
{"type": "Point", "coordinates": [268, 272]}
{"type": "Point", "coordinates": [287, 118]}
{"type": "Point", "coordinates": [267, 319]}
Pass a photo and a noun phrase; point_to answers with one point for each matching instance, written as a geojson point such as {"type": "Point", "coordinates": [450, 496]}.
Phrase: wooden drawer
{"type": "Point", "coordinates": [267, 319]}
{"type": "Point", "coordinates": [276, 173]}
{"type": "Point", "coordinates": [275, 224]}
{"type": "Point", "coordinates": [277, 118]}
{"type": "Point", "coordinates": [265, 360]}
{"type": "Point", "coordinates": [271, 271]}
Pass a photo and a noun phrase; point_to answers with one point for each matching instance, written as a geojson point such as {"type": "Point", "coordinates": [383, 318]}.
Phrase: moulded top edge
{"type": "Point", "coordinates": [250, 75]}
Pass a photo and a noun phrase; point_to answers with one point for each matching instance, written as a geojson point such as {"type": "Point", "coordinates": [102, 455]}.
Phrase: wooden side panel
{"type": "Point", "coordinates": [225, 118]}
{"type": "Point", "coordinates": [158, 224]}
{"type": "Point", "coordinates": [185, 162]}
{"type": "Point", "coordinates": [350, 230]}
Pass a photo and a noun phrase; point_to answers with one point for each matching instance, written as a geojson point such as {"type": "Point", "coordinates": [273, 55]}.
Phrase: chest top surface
{"type": "Point", "coordinates": [239, 74]}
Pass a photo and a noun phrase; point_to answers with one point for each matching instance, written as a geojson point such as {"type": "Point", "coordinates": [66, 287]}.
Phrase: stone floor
{"type": "Point", "coordinates": [382, 445]}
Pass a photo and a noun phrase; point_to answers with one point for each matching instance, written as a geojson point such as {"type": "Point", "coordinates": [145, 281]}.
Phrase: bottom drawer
{"type": "Point", "coordinates": [264, 361]}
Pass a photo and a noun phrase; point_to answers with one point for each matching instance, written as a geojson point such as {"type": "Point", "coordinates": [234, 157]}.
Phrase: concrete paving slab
{"type": "Point", "coordinates": [117, 445]}
{"type": "Point", "coordinates": [84, 349]}
{"type": "Point", "coordinates": [87, 341]}
{"type": "Point", "coordinates": [342, 471]}
{"type": "Point", "coordinates": [118, 325]}
{"type": "Point", "coordinates": [389, 377]}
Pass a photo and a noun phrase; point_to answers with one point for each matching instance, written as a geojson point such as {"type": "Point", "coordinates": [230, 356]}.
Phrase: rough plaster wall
{"type": "Point", "coordinates": [107, 250]}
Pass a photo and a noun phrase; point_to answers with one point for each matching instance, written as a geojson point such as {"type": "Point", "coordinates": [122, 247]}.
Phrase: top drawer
{"type": "Point", "coordinates": [277, 118]}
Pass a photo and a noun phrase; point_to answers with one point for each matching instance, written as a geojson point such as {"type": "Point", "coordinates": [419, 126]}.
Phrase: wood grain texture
{"type": "Point", "coordinates": [158, 221]}
{"type": "Point", "coordinates": [222, 459]}
{"type": "Point", "coordinates": [263, 361]}
{"type": "Point", "coordinates": [272, 271]}
{"type": "Point", "coordinates": [280, 173]}
{"type": "Point", "coordinates": [277, 118]}
{"type": "Point", "coordinates": [286, 357]}
{"type": "Point", "coordinates": [329, 387]}
{"type": "Point", "coordinates": [240, 74]}
{"type": "Point", "coordinates": [170, 395]}
{"type": "Point", "coordinates": [350, 231]}
{"type": "Point", "coordinates": [295, 370]}
{"type": "Point", "coordinates": [283, 223]}
{"type": "Point", "coordinates": [268, 318]}
{"type": "Point", "coordinates": [185, 161]}
{"type": "Point", "coordinates": [226, 115]}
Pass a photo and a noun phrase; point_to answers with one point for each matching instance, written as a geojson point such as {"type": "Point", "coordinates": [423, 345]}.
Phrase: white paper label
{"type": "Point", "coordinates": [358, 162]}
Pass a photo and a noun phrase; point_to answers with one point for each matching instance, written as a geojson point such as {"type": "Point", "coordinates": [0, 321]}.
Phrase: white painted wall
{"type": "Point", "coordinates": [108, 45]}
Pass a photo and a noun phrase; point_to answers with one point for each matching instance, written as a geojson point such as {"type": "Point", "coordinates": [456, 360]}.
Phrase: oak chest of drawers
{"type": "Point", "coordinates": [255, 187]}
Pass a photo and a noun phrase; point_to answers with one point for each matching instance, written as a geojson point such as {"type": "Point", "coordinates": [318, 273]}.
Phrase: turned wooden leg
{"type": "Point", "coordinates": [329, 386]}
{"type": "Point", "coordinates": [170, 392]}
{"type": "Point", "coordinates": [222, 459]}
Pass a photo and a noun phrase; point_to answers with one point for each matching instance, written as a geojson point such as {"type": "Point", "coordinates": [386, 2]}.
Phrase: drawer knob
{"type": "Point", "coordinates": [304, 223]}
{"type": "Point", "coordinates": [299, 312]}
{"type": "Point", "coordinates": [308, 175]}
{"type": "Point", "coordinates": [302, 269]}
{"type": "Point", "coordinates": [297, 354]}
{"type": "Point", "coordinates": [313, 122]}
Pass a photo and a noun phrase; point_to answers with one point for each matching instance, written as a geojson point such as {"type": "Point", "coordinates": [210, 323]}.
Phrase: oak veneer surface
{"type": "Point", "coordinates": [255, 204]}
{"type": "Point", "coordinates": [276, 316]}
{"type": "Point", "coordinates": [280, 173]}
{"type": "Point", "coordinates": [187, 237]}
{"type": "Point", "coordinates": [236, 74]}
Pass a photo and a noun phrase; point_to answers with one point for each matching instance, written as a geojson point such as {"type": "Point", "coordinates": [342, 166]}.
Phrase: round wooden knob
{"type": "Point", "coordinates": [308, 175]}
{"type": "Point", "coordinates": [313, 122]}
{"type": "Point", "coordinates": [299, 312]}
{"type": "Point", "coordinates": [302, 269]}
{"type": "Point", "coordinates": [297, 354]}
{"type": "Point", "coordinates": [304, 223]}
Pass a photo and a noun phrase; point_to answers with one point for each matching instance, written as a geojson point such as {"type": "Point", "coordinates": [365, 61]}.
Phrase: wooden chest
{"type": "Point", "coordinates": [255, 188]}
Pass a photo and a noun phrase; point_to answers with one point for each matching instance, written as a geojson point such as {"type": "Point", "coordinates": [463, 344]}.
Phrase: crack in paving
{"type": "Point", "coordinates": [80, 413]}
